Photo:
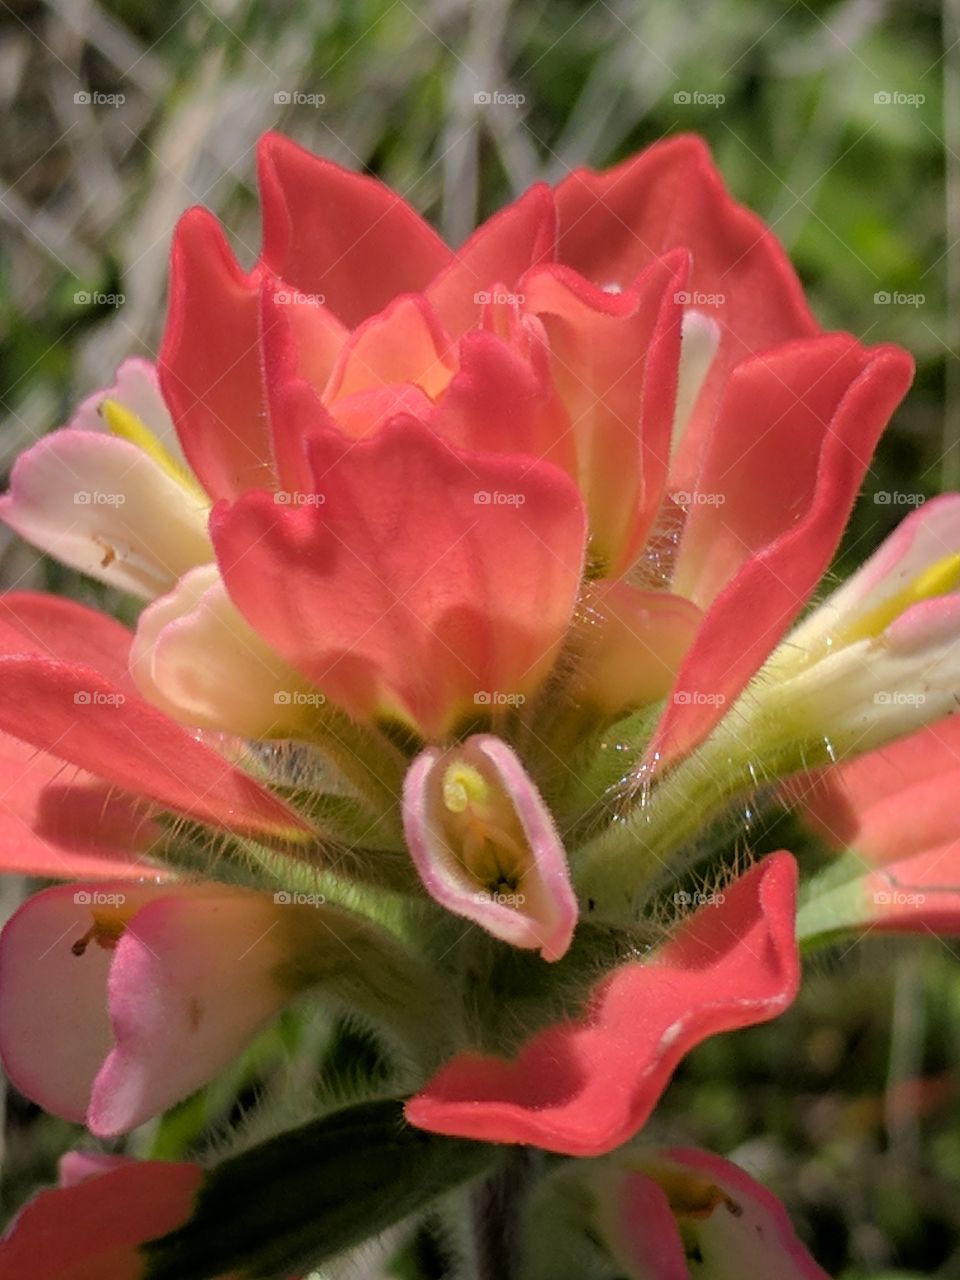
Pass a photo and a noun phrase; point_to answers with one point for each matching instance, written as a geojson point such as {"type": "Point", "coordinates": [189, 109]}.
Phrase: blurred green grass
{"type": "Point", "coordinates": [857, 187]}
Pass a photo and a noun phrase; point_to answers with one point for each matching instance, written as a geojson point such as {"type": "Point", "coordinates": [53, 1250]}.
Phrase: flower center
{"type": "Point", "coordinates": [479, 821]}
{"type": "Point", "coordinates": [106, 931]}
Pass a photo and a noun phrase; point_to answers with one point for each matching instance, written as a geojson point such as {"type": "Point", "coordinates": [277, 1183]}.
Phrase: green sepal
{"type": "Point", "coordinates": [295, 1201]}
{"type": "Point", "coordinates": [833, 902]}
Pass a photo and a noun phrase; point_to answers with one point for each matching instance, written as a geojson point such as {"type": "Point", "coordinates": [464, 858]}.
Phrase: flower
{"type": "Point", "coordinates": [585, 1086]}
{"type": "Point", "coordinates": [462, 572]}
{"type": "Point", "coordinates": [486, 846]}
{"type": "Point", "coordinates": [658, 1208]}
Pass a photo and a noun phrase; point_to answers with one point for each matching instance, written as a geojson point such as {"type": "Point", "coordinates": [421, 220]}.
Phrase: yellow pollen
{"type": "Point", "coordinates": [463, 787]}
{"type": "Point", "coordinates": [938, 579]}
{"type": "Point", "coordinates": [124, 423]}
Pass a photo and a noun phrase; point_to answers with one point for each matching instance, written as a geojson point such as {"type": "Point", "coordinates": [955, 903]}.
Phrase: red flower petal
{"type": "Point", "coordinates": [404, 343]}
{"type": "Point", "coordinates": [414, 560]}
{"type": "Point", "coordinates": [67, 664]}
{"type": "Point", "coordinates": [497, 253]}
{"type": "Point", "coordinates": [896, 810]}
{"type": "Point", "coordinates": [583, 1087]}
{"type": "Point", "coordinates": [348, 237]}
{"type": "Point", "coordinates": [61, 822]}
{"type": "Point", "coordinates": [671, 195]}
{"type": "Point", "coordinates": [503, 401]}
{"type": "Point", "coordinates": [787, 455]}
{"type": "Point", "coordinates": [615, 360]}
{"type": "Point", "coordinates": [212, 384]}
{"type": "Point", "coordinates": [93, 1230]}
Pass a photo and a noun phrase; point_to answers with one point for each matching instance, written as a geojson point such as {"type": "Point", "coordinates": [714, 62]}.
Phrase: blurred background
{"type": "Point", "coordinates": [838, 122]}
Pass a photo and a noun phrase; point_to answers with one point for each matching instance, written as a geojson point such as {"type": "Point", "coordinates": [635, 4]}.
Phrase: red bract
{"type": "Point", "coordinates": [92, 1228]}
{"type": "Point", "coordinates": [67, 664]}
{"type": "Point", "coordinates": [895, 813]}
{"type": "Point", "coordinates": [583, 1087]}
{"type": "Point", "coordinates": [414, 559]}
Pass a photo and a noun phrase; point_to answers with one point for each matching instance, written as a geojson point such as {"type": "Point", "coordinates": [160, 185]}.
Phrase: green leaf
{"type": "Point", "coordinates": [291, 1203]}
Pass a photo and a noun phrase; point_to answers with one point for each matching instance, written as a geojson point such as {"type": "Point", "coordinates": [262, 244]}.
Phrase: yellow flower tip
{"type": "Point", "coordinates": [937, 579]}
{"type": "Point", "coordinates": [123, 422]}
{"type": "Point", "coordinates": [463, 786]}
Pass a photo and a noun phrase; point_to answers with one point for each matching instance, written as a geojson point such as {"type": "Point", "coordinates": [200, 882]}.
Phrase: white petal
{"type": "Point", "coordinates": [102, 506]}
{"type": "Point", "coordinates": [196, 657]}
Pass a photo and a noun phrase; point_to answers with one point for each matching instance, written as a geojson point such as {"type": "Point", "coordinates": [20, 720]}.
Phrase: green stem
{"type": "Point", "coordinates": [673, 812]}
{"type": "Point", "coordinates": [497, 1205]}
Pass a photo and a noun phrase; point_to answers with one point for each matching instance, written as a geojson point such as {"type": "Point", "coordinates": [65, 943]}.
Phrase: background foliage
{"type": "Point", "coordinates": [839, 122]}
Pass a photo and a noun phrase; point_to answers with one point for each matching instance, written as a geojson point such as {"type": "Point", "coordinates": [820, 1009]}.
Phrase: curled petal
{"type": "Point", "coordinates": [486, 846]}
{"type": "Point", "coordinates": [502, 400]}
{"type": "Point", "coordinates": [194, 977]}
{"type": "Point", "coordinates": [54, 1024]}
{"type": "Point", "coordinates": [410, 558]}
{"type": "Point", "coordinates": [103, 506]}
{"type": "Point", "coordinates": [585, 1086]}
{"type": "Point", "coordinates": [404, 343]}
{"type": "Point", "coordinates": [137, 388]}
{"type": "Point", "coordinates": [213, 386]}
{"type": "Point", "coordinates": [78, 716]}
{"type": "Point", "coordinates": [62, 823]}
